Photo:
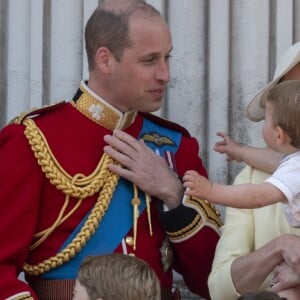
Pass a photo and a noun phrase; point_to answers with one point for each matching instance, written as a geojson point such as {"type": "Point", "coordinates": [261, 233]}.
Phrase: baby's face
{"type": "Point", "coordinates": [79, 292]}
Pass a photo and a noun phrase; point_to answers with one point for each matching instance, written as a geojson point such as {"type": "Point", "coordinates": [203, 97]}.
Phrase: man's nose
{"type": "Point", "coordinates": [163, 72]}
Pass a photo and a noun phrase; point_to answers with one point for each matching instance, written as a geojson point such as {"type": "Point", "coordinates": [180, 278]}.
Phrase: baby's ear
{"type": "Point", "coordinates": [282, 136]}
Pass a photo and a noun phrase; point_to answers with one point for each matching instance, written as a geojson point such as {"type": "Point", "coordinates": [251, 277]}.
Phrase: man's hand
{"type": "Point", "coordinates": [143, 167]}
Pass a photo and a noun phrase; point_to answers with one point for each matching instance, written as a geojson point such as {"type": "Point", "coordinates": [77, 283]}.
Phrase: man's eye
{"type": "Point", "coordinates": [149, 60]}
{"type": "Point", "coordinates": [168, 57]}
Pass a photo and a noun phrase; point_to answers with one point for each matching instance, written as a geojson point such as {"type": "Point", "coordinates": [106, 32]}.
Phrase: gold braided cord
{"type": "Point", "coordinates": [85, 233]}
{"type": "Point", "coordinates": [83, 186]}
{"type": "Point", "coordinates": [54, 171]}
{"type": "Point", "coordinates": [24, 296]}
{"type": "Point", "coordinates": [42, 235]}
{"type": "Point", "coordinates": [187, 230]}
{"type": "Point", "coordinates": [78, 186]}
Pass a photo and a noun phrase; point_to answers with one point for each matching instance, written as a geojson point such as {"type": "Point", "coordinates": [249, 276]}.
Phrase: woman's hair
{"type": "Point", "coordinates": [117, 276]}
{"type": "Point", "coordinates": [285, 98]}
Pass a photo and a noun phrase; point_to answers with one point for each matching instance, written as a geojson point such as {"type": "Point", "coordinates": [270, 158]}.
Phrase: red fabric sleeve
{"type": "Point", "coordinates": [18, 181]}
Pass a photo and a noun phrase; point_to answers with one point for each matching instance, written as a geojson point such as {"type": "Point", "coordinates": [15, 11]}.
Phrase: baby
{"type": "Point", "coordinates": [281, 133]}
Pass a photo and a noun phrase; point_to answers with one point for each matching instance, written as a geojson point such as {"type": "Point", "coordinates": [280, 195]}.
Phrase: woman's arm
{"type": "Point", "coordinates": [250, 270]}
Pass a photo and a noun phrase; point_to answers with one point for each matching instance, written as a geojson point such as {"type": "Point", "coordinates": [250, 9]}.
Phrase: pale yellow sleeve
{"type": "Point", "coordinates": [237, 236]}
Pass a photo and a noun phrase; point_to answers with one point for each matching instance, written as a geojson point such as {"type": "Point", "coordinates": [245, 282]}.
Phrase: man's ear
{"type": "Point", "coordinates": [103, 59]}
{"type": "Point", "coordinates": [282, 136]}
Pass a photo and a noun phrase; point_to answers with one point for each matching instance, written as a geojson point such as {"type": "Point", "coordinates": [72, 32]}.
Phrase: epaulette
{"type": "Point", "coordinates": [166, 123]}
{"type": "Point", "coordinates": [34, 112]}
{"type": "Point", "coordinates": [210, 216]}
{"type": "Point", "coordinates": [193, 215]}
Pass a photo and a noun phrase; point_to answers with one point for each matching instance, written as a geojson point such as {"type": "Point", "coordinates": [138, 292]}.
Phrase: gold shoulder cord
{"type": "Point", "coordinates": [24, 296]}
{"type": "Point", "coordinates": [78, 186]}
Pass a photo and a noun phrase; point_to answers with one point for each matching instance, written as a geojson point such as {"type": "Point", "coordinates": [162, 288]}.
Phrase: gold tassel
{"type": "Point", "coordinates": [135, 202]}
{"type": "Point", "coordinates": [148, 201]}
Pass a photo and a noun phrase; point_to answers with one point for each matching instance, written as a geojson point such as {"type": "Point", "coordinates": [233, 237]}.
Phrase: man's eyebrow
{"type": "Point", "coordinates": [148, 55]}
{"type": "Point", "coordinates": [156, 53]}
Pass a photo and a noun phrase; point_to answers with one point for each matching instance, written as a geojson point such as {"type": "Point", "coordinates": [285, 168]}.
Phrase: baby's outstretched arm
{"type": "Point", "coordinates": [196, 185]}
{"type": "Point", "coordinates": [261, 158]}
{"type": "Point", "coordinates": [232, 149]}
{"type": "Point", "coordinates": [239, 196]}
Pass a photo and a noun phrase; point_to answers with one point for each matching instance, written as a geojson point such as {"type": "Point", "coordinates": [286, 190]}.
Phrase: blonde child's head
{"type": "Point", "coordinates": [285, 99]}
{"type": "Point", "coordinates": [117, 276]}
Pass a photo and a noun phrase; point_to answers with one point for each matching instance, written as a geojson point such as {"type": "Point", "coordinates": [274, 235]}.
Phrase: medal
{"type": "Point", "coordinates": [167, 255]}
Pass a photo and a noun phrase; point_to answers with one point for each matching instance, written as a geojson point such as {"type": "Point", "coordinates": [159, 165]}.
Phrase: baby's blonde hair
{"type": "Point", "coordinates": [285, 98]}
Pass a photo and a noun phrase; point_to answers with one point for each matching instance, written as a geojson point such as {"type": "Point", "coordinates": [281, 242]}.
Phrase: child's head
{"type": "Point", "coordinates": [285, 101]}
{"type": "Point", "coordinates": [116, 276]}
{"type": "Point", "coordinates": [263, 295]}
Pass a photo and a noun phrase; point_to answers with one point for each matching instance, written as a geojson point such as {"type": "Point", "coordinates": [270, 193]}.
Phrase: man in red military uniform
{"type": "Point", "coordinates": [100, 174]}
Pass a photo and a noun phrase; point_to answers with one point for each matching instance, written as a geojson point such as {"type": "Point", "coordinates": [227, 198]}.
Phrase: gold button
{"type": "Point", "coordinates": [129, 240]}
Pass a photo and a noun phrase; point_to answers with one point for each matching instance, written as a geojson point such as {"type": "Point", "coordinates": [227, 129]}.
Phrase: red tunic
{"type": "Point", "coordinates": [30, 203]}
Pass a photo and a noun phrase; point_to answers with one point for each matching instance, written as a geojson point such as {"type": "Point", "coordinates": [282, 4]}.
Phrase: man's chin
{"type": "Point", "coordinates": [150, 110]}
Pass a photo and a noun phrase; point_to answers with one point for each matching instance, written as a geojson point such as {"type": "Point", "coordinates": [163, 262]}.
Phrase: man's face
{"type": "Point", "coordinates": [141, 76]}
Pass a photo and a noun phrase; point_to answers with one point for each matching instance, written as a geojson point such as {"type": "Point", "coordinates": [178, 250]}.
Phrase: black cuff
{"type": "Point", "coordinates": [178, 218]}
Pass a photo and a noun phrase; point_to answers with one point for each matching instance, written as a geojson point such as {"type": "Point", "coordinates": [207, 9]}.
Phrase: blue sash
{"type": "Point", "coordinates": [117, 220]}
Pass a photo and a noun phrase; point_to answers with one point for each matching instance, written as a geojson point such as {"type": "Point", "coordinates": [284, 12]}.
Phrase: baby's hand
{"type": "Point", "coordinates": [231, 148]}
{"type": "Point", "coordinates": [196, 185]}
